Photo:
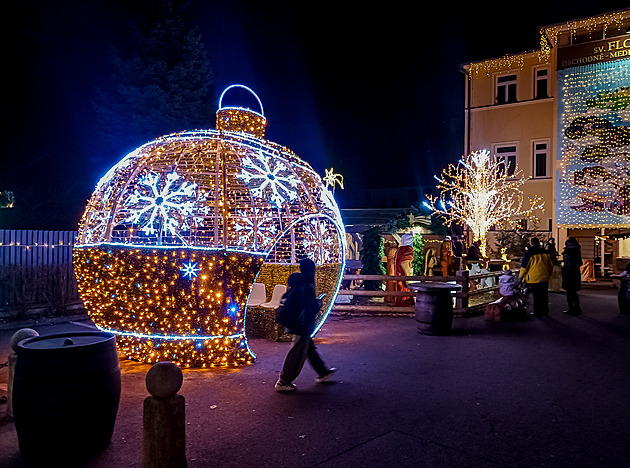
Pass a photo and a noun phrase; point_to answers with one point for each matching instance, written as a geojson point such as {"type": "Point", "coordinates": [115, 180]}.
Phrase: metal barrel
{"type": "Point", "coordinates": [66, 392]}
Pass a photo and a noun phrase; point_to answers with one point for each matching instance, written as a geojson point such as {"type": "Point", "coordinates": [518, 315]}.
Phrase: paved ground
{"type": "Point", "coordinates": [550, 392]}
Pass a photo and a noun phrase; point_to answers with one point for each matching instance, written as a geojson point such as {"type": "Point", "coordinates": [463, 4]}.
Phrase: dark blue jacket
{"type": "Point", "coordinates": [304, 295]}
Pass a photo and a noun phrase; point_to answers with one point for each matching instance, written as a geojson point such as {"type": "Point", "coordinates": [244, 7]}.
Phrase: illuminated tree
{"type": "Point", "coordinates": [481, 192]}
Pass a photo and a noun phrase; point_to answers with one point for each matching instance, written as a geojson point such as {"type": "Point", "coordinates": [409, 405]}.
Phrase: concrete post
{"type": "Point", "coordinates": [18, 336]}
{"type": "Point", "coordinates": [164, 418]}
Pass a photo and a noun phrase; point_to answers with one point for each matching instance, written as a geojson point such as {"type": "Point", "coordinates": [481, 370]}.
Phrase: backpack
{"type": "Point", "coordinates": [289, 313]}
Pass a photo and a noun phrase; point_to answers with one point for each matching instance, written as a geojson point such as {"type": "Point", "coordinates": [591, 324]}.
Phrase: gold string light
{"type": "Point", "coordinates": [176, 233]}
{"type": "Point", "coordinates": [549, 35]}
{"type": "Point", "coordinates": [486, 67]}
{"type": "Point", "coordinates": [548, 40]}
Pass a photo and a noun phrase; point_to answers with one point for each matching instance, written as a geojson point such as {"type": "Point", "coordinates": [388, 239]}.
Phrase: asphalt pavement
{"type": "Point", "coordinates": [542, 392]}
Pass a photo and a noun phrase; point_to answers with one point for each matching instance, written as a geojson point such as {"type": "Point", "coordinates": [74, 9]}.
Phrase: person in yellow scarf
{"type": "Point", "coordinates": [536, 268]}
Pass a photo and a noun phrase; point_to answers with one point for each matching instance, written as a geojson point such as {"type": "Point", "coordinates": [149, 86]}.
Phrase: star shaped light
{"type": "Point", "coordinates": [331, 179]}
{"type": "Point", "coordinates": [189, 270]}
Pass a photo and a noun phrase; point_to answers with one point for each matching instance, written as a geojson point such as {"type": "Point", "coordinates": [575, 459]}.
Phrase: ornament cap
{"type": "Point", "coordinates": [241, 119]}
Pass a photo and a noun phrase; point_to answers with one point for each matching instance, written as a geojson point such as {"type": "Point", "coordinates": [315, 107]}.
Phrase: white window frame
{"type": "Point", "coordinates": [536, 79]}
{"type": "Point", "coordinates": [495, 151]}
{"type": "Point", "coordinates": [535, 152]}
{"type": "Point", "coordinates": [505, 86]}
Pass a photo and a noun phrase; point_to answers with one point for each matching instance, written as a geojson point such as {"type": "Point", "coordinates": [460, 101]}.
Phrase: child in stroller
{"type": "Point", "coordinates": [512, 305]}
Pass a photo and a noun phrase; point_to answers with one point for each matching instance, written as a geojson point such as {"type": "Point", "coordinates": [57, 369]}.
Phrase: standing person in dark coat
{"type": "Point", "coordinates": [458, 247]}
{"type": "Point", "coordinates": [474, 251]}
{"type": "Point", "coordinates": [624, 291]}
{"type": "Point", "coordinates": [303, 347]}
{"type": "Point", "coordinates": [571, 276]}
{"type": "Point", "coordinates": [473, 256]}
{"type": "Point", "coordinates": [550, 246]}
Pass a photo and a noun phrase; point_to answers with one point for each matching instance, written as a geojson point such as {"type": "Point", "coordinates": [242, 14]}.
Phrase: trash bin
{"type": "Point", "coordinates": [66, 392]}
{"type": "Point", "coordinates": [434, 306]}
{"type": "Point", "coordinates": [624, 296]}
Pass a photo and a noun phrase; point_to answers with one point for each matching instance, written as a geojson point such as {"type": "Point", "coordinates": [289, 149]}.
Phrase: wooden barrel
{"type": "Point", "coordinates": [434, 307]}
{"type": "Point", "coordinates": [66, 392]}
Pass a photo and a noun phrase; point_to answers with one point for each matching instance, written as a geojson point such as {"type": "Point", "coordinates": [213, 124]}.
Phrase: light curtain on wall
{"type": "Point", "coordinates": [593, 156]}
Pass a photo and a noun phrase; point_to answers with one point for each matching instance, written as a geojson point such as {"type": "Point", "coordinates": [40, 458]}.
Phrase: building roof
{"type": "Point", "coordinates": [358, 220]}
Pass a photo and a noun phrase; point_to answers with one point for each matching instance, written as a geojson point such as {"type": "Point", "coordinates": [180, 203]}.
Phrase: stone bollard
{"type": "Point", "coordinates": [18, 336]}
{"type": "Point", "coordinates": [164, 418]}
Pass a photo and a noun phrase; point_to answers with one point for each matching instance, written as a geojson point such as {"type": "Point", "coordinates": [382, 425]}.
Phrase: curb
{"type": "Point", "coordinates": [9, 326]}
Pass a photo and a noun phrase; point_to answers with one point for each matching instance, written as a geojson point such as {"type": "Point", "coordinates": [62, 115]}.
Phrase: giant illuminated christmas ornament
{"type": "Point", "coordinates": [481, 191]}
{"type": "Point", "coordinates": [176, 233]}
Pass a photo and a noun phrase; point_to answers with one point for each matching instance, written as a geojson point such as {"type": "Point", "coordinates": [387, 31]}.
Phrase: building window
{"type": "Point", "coordinates": [506, 89]}
{"type": "Point", "coordinates": [541, 90]}
{"type": "Point", "coordinates": [541, 159]}
{"type": "Point", "coordinates": [506, 155]}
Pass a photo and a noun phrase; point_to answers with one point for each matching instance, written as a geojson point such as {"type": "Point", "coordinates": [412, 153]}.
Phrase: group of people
{"type": "Point", "coordinates": [451, 253]}
{"type": "Point", "coordinates": [537, 267]}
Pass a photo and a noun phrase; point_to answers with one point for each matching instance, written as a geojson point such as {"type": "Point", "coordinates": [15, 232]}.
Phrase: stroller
{"type": "Point", "coordinates": [512, 305]}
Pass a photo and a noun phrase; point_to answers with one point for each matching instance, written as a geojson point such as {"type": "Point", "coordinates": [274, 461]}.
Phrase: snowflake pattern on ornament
{"type": "Point", "coordinates": [318, 240]}
{"type": "Point", "coordinates": [97, 222]}
{"type": "Point", "coordinates": [276, 184]}
{"type": "Point", "coordinates": [162, 204]}
{"type": "Point", "coordinates": [255, 228]}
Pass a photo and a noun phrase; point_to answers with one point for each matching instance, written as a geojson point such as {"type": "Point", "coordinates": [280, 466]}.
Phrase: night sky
{"type": "Point", "coordinates": [375, 92]}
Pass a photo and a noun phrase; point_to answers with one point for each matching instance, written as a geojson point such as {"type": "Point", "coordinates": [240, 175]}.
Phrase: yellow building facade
{"type": "Point", "coordinates": [561, 115]}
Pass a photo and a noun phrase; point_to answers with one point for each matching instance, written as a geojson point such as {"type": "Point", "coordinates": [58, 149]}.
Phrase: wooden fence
{"type": "Point", "coordinates": [474, 295]}
{"type": "Point", "coordinates": [36, 271]}
{"type": "Point", "coordinates": [30, 248]}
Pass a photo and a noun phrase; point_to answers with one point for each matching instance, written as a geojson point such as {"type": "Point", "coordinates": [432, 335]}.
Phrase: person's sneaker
{"type": "Point", "coordinates": [327, 377]}
{"type": "Point", "coordinates": [282, 387]}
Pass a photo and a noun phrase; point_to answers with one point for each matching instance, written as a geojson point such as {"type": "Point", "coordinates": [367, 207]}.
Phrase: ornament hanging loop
{"type": "Point", "coordinates": [262, 111]}
{"type": "Point", "coordinates": [241, 119]}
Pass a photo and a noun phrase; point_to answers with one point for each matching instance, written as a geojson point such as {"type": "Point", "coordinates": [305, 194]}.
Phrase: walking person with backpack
{"type": "Point", "coordinates": [297, 311]}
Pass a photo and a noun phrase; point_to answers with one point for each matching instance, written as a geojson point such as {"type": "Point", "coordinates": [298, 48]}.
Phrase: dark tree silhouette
{"type": "Point", "coordinates": [161, 84]}
{"type": "Point", "coordinates": [372, 257]}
